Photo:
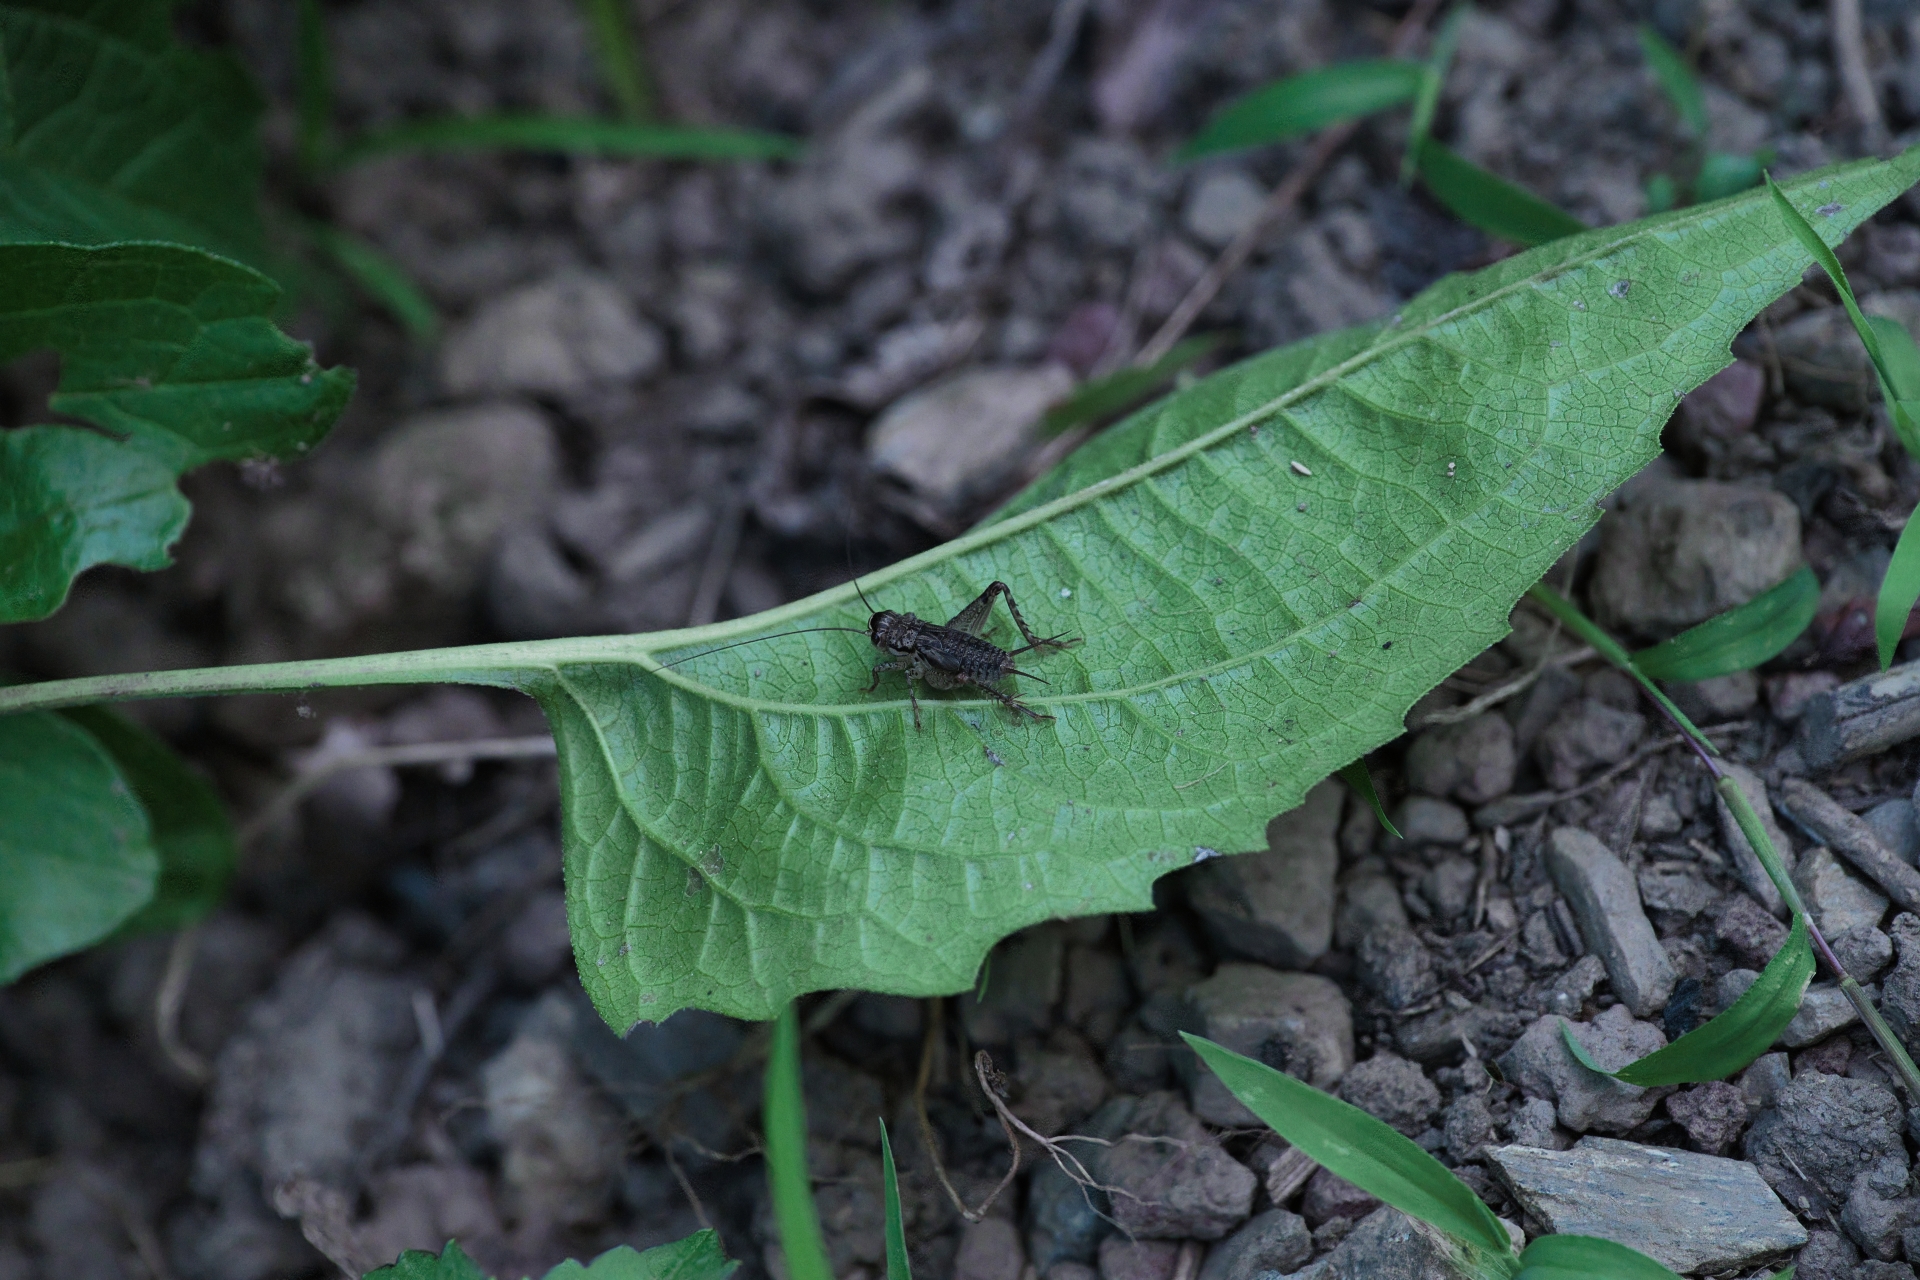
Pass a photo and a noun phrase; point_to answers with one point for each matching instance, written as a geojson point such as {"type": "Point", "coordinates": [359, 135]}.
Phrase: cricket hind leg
{"type": "Point", "coordinates": [1010, 702]}
{"type": "Point", "coordinates": [973, 618]}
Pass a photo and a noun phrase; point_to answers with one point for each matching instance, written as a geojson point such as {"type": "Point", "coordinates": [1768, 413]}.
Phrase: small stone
{"type": "Point", "coordinates": [989, 1250]}
{"type": "Point", "coordinates": [1329, 1196]}
{"type": "Point", "coordinates": [1718, 698]}
{"type": "Point", "coordinates": [1746, 932]}
{"type": "Point", "coordinates": [1396, 966]}
{"type": "Point", "coordinates": [1790, 692]}
{"type": "Point", "coordinates": [535, 947]}
{"type": "Point", "coordinates": [1385, 1245]}
{"type": "Point", "coordinates": [1838, 900]}
{"type": "Point", "coordinates": [1534, 1124]}
{"type": "Point", "coordinates": [1725, 405]}
{"type": "Point", "coordinates": [1272, 1241]}
{"type": "Point", "coordinates": [1276, 906]}
{"type": "Point", "coordinates": [1572, 989]}
{"type": "Point", "coordinates": [559, 337]}
{"type": "Point", "coordinates": [1186, 1189]}
{"type": "Point", "coordinates": [1222, 204]}
{"type": "Point", "coordinates": [1878, 1210]}
{"type": "Point", "coordinates": [1676, 552]}
{"type": "Point", "coordinates": [1713, 1114]}
{"type": "Point", "coordinates": [1059, 1088]}
{"type": "Point", "coordinates": [1820, 1133]}
{"type": "Point", "coordinates": [1071, 1271]}
{"type": "Point", "coordinates": [1585, 734]}
{"type": "Point", "coordinates": [1449, 886]}
{"type": "Point", "coordinates": [1746, 863]}
{"type": "Point", "coordinates": [1606, 902]}
{"type": "Point", "coordinates": [961, 436]}
{"type": "Point", "coordinates": [1687, 1211]}
{"type": "Point", "coordinates": [1895, 823]}
{"type": "Point", "coordinates": [1584, 1100]}
{"type": "Point", "coordinates": [1863, 953]}
{"type": "Point", "coordinates": [1661, 818]}
{"type": "Point", "coordinates": [1123, 1259]}
{"type": "Point", "coordinates": [1828, 1256]}
{"type": "Point", "coordinates": [1900, 991]}
{"type": "Point", "coordinates": [1473, 761]}
{"type": "Point", "coordinates": [1678, 889]}
{"type": "Point", "coordinates": [1425, 820]}
{"type": "Point", "coordinates": [1065, 1222]}
{"type": "Point", "coordinates": [1098, 991]}
{"type": "Point", "coordinates": [1295, 1022]}
{"type": "Point", "coordinates": [1367, 902]}
{"type": "Point", "coordinates": [1392, 1090]}
{"type": "Point", "coordinates": [562, 1141]}
{"type": "Point", "coordinates": [1438, 1037]}
{"type": "Point", "coordinates": [1762, 1082]}
{"type": "Point", "coordinates": [1468, 1126]}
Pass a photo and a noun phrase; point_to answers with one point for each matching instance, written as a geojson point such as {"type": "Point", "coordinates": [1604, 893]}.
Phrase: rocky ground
{"type": "Point", "coordinates": [671, 392]}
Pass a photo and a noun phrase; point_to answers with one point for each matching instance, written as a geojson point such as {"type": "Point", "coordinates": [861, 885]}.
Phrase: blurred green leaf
{"type": "Point", "coordinates": [1899, 590]}
{"type": "Point", "coordinates": [382, 279]}
{"type": "Point", "coordinates": [565, 133]}
{"type": "Point", "coordinates": [313, 70]}
{"type": "Point", "coordinates": [1739, 639]}
{"type": "Point", "coordinates": [1433, 77]}
{"type": "Point", "coordinates": [784, 1119]}
{"type": "Point", "coordinates": [694, 1257]}
{"type": "Point", "coordinates": [1305, 102]}
{"type": "Point", "coordinates": [1120, 390]}
{"type": "Point", "coordinates": [1353, 1145]}
{"type": "Point", "coordinates": [1662, 195]}
{"type": "Point", "coordinates": [1723, 174]}
{"type": "Point", "coordinates": [897, 1265]}
{"type": "Point", "coordinates": [76, 850]}
{"type": "Point", "coordinates": [1492, 204]}
{"type": "Point", "coordinates": [1676, 79]}
{"type": "Point", "coordinates": [616, 48]}
{"type": "Point", "coordinates": [1732, 1040]}
{"type": "Point", "coordinates": [1360, 780]}
{"type": "Point", "coordinates": [451, 1263]}
{"type": "Point", "coordinates": [190, 829]}
{"type": "Point", "coordinates": [1587, 1258]}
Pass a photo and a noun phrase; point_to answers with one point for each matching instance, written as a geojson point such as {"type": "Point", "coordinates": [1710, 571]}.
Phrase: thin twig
{"type": "Point", "coordinates": [686, 1187]}
{"type": "Point", "coordinates": [1052, 60]}
{"type": "Point", "coordinates": [1850, 61]}
{"type": "Point", "coordinates": [1284, 197]}
{"type": "Point", "coordinates": [1513, 688]}
{"type": "Point", "coordinates": [169, 998]}
{"type": "Point", "coordinates": [928, 1046]}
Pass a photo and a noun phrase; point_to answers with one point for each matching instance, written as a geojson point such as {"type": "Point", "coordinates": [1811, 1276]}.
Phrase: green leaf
{"type": "Point", "coordinates": [1739, 639]}
{"type": "Point", "coordinates": [382, 279]}
{"type": "Point", "coordinates": [617, 50]}
{"type": "Point", "coordinates": [1351, 1144]}
{"type": "Point", "coordinates": [1587, 1258]}
{"type": "Point", "coordinates": [1732, 1040]}
{"type": "Point", "coordinates": [1492, 204]}
{"type": "Point", "coordinates": [1723, 173]}
{"type": "Point", "coordinates": [573, 134]}
{"type": "Point", "coordinates": [76, 852]}
{"type": "Point", "coordinates": [784, 1118]}
{"type": "Point", "coordinates": [1676, 79]}
{"type": "Point", "coordinates": [190, 829]}
{"type": "Point", "coordinates": [169, 348]}
{"type": "Point", "coordinates": [697, 1257]}
{"type": "Point", "coordinates": [1433, 76]}
{"type": "Point", "coordinates": [1899, 590]}
{"type": "Point", "coordinates": [1356, 776]}
{"type": "Point", "coordinates": [897, 1265]}
{"type": "Point", "coordinates": [313, 71]}
{"type": "Point", "coordinates": [1661, 194]}
{"type": "Point", "coordinates": [120, 133]}
{"type": "Point", "coordinates": [1122, 389]}
{"type": "Point", "coordinates": [752, 822]}
{"type": "Point", "coordinates": [1305, 102]}
{"type": "Point", "coordinates": [450, 1263]}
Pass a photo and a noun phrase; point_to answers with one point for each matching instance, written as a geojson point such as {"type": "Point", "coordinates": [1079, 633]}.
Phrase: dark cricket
{"type": "Point", "coordinates": [956, 656]}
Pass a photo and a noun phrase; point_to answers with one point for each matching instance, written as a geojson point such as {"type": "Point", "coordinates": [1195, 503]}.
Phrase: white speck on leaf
{"type": "Point", "coordinates": [1828, 210]}
{"type": "Point", "coordinates": [1619, 288]}
{"type": "Point", "coordinates": [1066, 593]}
{"type": "Point", "coordinates": [1201, 853]}
{"type": "Point", "coordinates": [1300, 468]}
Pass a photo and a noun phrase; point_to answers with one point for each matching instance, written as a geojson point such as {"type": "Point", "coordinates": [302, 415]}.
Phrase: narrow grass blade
{"type": "Point", "coordinates": [381, 278]}
{"type": "Point", "coordinates": [1613, 651]}
{"type": "Point", "coordinates": [1492, 204]}
{"type": "Point", "coordinates": [1357, 777]}
{"type": "Point", "coordinates": [1433, 77]}
{"type": "Point", "coordinates": [1898, 592]}
{"type": "Point", "coordinates": [1353, 1145]}
{"type": "Point", "coordinates": [1303, 103]}
{"type": "Point", "coordinates": [897, 1266]}
{"type": "Point", "coordinates": [1726, 173]}
{"type": "Point", "coordinates": [1731, 1041]}
{"type": "Point", "coordinates": [1662, 195]}
{"type": "Point", "coordinates": [1587, 1258]}
{"type": "Point", "coordinates": [1120, 390]}
{"type": "Point", "coordinates": [1739, 639]}
{"type": "Point", "coordinates": [573, 134]}
{"type": "Point", "coordinates": [785, 1122]}
{"type": "Point", "coordinates": [313, 71]}
{"type": "Point", "coordinates": [1803, 232]}
{"type": "Point", "coordinates": [617, 49]}
{"type": "Point", "coordinates": [1676, 79]}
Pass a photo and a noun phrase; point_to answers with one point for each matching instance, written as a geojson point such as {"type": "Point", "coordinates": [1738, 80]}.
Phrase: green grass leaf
{"type": "Point", "coordinates": [616, 48]}
{"type": "Point", "coordinates": [1730, 1041]}
{"type": "Point", "coordinates": [784, 1119]}
{"type": "Point", "coordinates": [76, 850]}
{"type": "Point", "coordinates": [1610, 649]}
{"type": "Point", "coordinates": [1587, 1258]}
{"type": "Point", "coordinates": [1676, 79]}
{"type": "Point", "coordinates": [583, 135]}
{"type": "Point", "coordinates": [313, 85]}
{"type": "Point", "coordinates": [169, 348]}
{"type": "Point", "coordinates": [1122, 389]}
{"type": "Point", "coordinates": [1899, 589]}
{"type": "Point", "coordinates": [1305, 102]}
{"type": "Point", "coordinates": [190, 830]}
{"type": "Point", "coordinates": [1723, 173]}
{"type": "Point", "coordinates": [897, 1265]}
{"type": "Point", "coordinates": [1351, 1144]}
{"type": "Point", "coordinates": [1356, 776]}
{"type": "Point", "coordinates": [381, 278]}
{"type": "Point", "coordinates": [1739, 639]}
{"type": "Point", "coordinates": [1492, 204]}
{"type": "Point", "coordinates": [696, 1257]}
{"type": "Point", "coordinates": [1433, 77]}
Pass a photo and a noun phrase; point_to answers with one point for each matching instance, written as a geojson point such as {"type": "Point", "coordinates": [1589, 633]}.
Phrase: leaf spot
{"type": "Point", "coordinates": [1619, 288]}
{"type": "Point", "coordinates": [696, 883]}
{"type": "Point", "coordinates": [1828, 210]}
{"type": "Point", "coordinates": [993, 757]}
{"type": "Point", "coordinates": [1579, 305]}
{"type": "Point", "coordinates": [1300, 468]}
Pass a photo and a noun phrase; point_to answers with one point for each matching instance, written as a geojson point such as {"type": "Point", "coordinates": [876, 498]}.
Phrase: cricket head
{"type": "Point", "coordinates": [890, 630]}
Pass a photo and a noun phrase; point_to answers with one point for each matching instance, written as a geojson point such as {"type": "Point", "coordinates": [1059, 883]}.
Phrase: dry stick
{"type": "Point", "coordinates": [927, 1139]}
{"type": "Point", "coordinates": [1513, 688]}
{"type": "Point", "coordinates": [1850, 61]}
{"type": "Point", "coordinates": [1284, 197]}
{"type": "Point", "coordinates": [167, 1002]}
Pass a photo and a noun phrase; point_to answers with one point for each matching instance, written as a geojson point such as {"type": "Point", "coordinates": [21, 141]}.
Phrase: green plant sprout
{"type": "Point", "coordinates": [697, 1257]}
{"type": "Point", "coordinates": [746, 824]}
{"type": "Point", "coordinates": [784, 1123]}
{"type": "Point", "coordinates": [1716, 174]}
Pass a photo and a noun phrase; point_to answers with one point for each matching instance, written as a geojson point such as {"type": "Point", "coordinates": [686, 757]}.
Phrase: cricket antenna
{"type": "Point", "coordinates": [854, 576]}
{"type": "Point", "coordinates": [756, 639]}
